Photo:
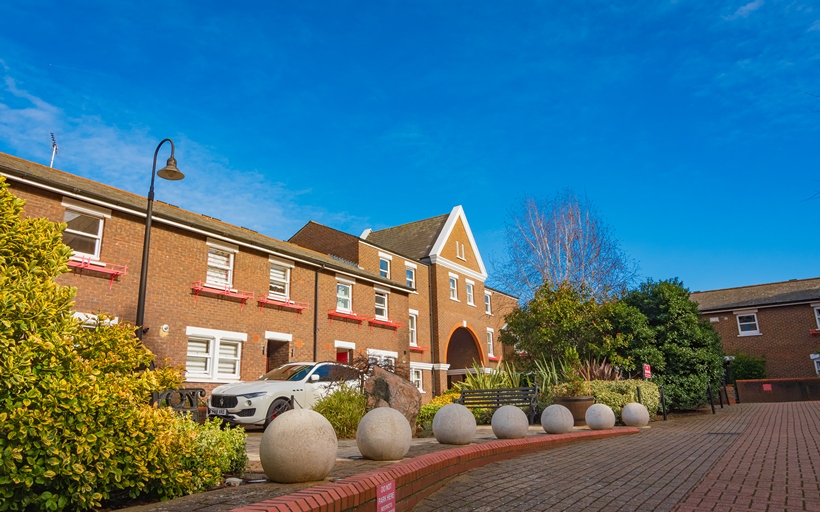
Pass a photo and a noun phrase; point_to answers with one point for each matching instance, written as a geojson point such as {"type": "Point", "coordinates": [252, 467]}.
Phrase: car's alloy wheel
{"type": "Point", "coordinates": [278, 406]}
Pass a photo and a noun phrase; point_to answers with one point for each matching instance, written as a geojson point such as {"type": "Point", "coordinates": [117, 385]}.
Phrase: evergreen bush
{"type": "Point", "coordinates": [76, 427]}
{"type": "Point", "coordinates": [428, 411]}
{"type": "Point", "coordinates": [745, 367]}
{"type": "Point", "coordinates": [344, 408]}
{"type": "Point", "coordinates": [617, 393]}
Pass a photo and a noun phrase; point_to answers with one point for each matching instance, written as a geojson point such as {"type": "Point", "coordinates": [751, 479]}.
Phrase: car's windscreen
{"type": "Point", "coordinates": [288, 372]}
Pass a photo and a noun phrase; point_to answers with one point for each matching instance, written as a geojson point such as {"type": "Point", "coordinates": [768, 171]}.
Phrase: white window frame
{"type": "Point", "coordinates": [215, 339]}
{"type": "Point", "coordinates": [416, 377]}
{"type": "Point", "coordinates": [454, 287]}
{"type": "Point", "coordinates": [412, 327]}
{"type": "Point", "coordinates": [470, 292]}
{"type": "Point", "coordinates": [344, 283]}
{"type": "Point", "coordinates": [410, 277]}
{"type": "Point", "coordinates": [488, 303]}
{"type": "Point", "coordinates": [287, 267]}
{"type": "Point", "coordinates": [741, 332]}
{"type": "Point", "coordinates": [88, 210]}
{"type": "Point", "coordinates": [817, 315]}
{"type": "Point", "coordinates": [384, 294]}
{"type": "Point", "coordinates": [384, 272]}
{"type": "Point", "coordinates": [490, 333]}
{"type": "Point", "coordinates": [385, 358]}
{"type": "Point", "coordinates": [817, 367]}
{"type": "Point", "coordinates": [231, 249]}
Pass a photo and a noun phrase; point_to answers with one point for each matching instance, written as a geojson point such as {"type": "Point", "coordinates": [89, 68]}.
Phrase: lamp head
{"type": "Point", "coordinates": [170, 171]}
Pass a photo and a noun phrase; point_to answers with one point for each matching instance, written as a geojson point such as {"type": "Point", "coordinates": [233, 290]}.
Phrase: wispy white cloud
{"type": "Point", "coordinates": [814, 26]}
{"type": "Point", "coordinates": [745, 10]}
{"type": "Point", "coordinates": [121, 156]}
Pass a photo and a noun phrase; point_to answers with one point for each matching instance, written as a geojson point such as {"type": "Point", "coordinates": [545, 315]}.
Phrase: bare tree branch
{"type": "Point", "coordinates": [563, 241]}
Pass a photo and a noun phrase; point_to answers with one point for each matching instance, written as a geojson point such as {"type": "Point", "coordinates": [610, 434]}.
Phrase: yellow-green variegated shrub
{"type": "Point", "coordinates": [617, 393]}
{"type": "Point", "coordinates": [76, 427]}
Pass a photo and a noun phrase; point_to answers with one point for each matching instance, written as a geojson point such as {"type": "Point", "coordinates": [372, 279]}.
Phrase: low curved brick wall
{"type": "Point", "coordinates": [418, 477]}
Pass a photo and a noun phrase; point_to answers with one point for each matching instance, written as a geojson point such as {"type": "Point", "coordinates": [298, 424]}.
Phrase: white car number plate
{"type": "Point", "coordinates": [219, 412]}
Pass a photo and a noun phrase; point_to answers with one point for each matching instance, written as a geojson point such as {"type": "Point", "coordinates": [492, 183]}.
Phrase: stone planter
{"type": "Point", "coordinates": [577, 405]}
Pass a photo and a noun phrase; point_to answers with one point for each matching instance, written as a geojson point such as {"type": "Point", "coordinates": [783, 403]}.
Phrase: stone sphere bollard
{"type": "Point", "coordinates": [557, 419]}
{"type": "Point", "coordinates": [510, 422]}
{"type": "Point", "coordinates": [384, 434]}
{"type": "Point", "coordinates": [298, 446]}
{"type": "Point", "coordinates": [635, 415]}
{"type": "Point", "coordinates": [600, 417]}
{"type": "Point", "coordinates": [454, 424]}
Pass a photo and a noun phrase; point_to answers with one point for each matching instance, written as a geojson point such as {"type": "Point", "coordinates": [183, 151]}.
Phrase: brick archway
{"type": "Point", "coordinates": [462, 352]}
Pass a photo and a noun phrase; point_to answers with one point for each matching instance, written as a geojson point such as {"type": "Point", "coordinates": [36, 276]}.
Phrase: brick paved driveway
{"type": "Point", "coordinates": [748, 457]}
{"type": "Point", "coordinates": [772, 466]}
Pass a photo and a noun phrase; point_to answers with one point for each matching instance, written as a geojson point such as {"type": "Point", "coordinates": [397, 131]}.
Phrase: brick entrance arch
{"type": "Point", "coordinates": [463, 352]}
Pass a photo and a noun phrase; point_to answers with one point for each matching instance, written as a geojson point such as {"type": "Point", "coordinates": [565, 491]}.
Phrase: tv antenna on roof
{"type": "Point", "coordinates": [53, 149]}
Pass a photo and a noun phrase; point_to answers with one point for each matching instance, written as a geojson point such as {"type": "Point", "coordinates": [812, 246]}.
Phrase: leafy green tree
{"type": "Point", "coordinates": [628, 334]}
{"type": "Point", "coordinates": [691, 348]}
{"type": "Point", "coordinates": [564, 321]}
{"type": "Point", "coordinates": [76, 427]}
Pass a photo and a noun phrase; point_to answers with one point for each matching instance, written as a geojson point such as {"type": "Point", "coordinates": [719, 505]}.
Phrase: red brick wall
{"type": "Point", "coordinates": [327, 241]}
{"type": "Point", "coordinates": [178, 258]}
{"type": "Point", "coordinates": [784, 341]}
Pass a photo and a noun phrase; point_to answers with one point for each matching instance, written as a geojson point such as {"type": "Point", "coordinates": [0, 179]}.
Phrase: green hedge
{"type": "Point", "coordinates": [76, 427]}
{"type": "Point", "coordinates": [745, 367]}
{"type": "Point", "coordinates": [344, 408]}
{"type": "Point", "coordinates": [617, 393]}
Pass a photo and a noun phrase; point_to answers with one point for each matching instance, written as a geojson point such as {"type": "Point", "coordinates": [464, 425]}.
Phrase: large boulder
{"type": "Point", "coordinates": [386, 389]}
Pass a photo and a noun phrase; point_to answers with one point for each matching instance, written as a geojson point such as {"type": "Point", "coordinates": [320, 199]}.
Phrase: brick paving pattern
{"type": "Point", "coordinates": [651, 471]}
{"type": "Point", "coordinates": [772, 466]}
{"type": "Point", "coordinates": [747, 457]}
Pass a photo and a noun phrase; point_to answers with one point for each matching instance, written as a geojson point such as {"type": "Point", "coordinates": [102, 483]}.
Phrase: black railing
{"type": "Point", "coordinates": [180, 400]}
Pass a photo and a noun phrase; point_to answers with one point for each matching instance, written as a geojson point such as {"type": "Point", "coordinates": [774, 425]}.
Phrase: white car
{"type": "Point", "coordinates": [293, 385]}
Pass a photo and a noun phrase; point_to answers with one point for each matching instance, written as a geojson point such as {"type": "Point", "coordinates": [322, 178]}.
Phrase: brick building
{"type": "Point", "coordinates": [778, 321]}
{"type": "Point", "coordinates": [228, 303]}
{"type": "Point", "coordinates": [455, 319]}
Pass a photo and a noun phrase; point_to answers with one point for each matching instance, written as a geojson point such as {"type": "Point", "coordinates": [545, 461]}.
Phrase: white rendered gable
{"type": "Point", "coordinates": [435, 252]}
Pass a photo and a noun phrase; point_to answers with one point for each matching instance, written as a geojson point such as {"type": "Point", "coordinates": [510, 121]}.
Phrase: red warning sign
{"type": "Point", "coordinates": [386, 497]}
{"type": "Point", "coordinates": [647, 372]}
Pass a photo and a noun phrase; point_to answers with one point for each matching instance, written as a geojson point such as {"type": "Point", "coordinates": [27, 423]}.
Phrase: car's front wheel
{"type": "Point", "coordinates": [279, 406]}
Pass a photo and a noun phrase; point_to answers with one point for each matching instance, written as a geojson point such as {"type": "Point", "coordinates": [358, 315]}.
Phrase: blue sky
{"type": "Point", "coordinates": [690, 125]}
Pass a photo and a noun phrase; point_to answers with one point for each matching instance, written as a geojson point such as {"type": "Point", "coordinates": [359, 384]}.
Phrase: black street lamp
{"type": "Point", "coordinates": [169, 172]}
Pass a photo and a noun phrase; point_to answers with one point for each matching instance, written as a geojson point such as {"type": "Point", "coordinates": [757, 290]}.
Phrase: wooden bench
{"type": "Point", "coordinates": [495, 398]}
